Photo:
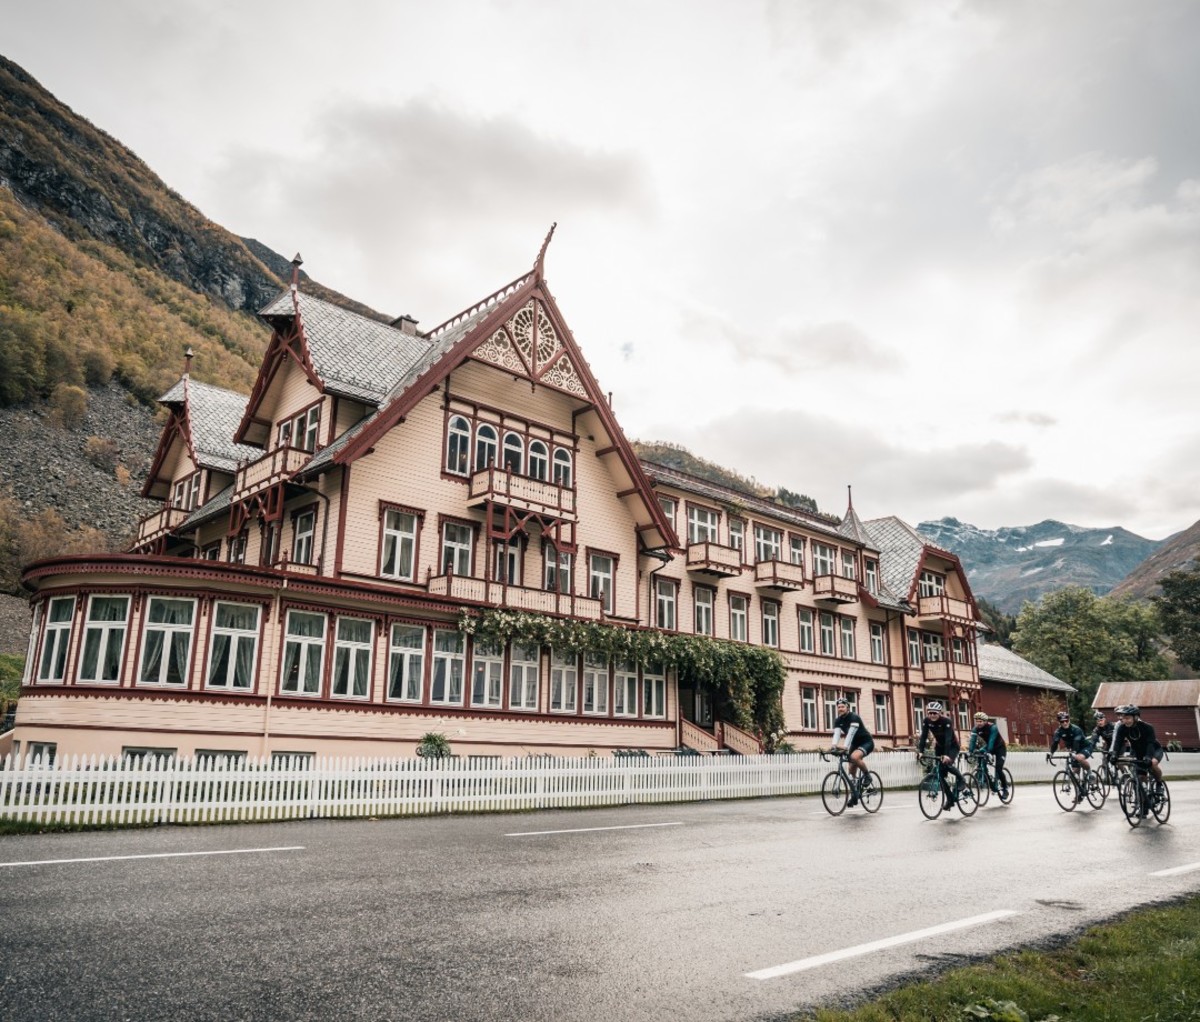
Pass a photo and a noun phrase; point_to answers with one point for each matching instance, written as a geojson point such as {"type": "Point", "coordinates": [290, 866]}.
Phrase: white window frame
{"type": "Point", "coordinates": [56, 640]}
{"type": "Point", "coordinates": [828, 634]}
{"type": "Point", "coordinates": [487, 675]}
{"type": "Point", "coordinates": [108, 631]}
{"type": "Point", "coordinates": [849, 565]}
{"type": "Point", "coordinates": [739, 617]}
{"type": "Point", "coordinates": [770, 624]}
{"type": "Point", "coordinates": [964, 715]}
{"type": "Point", "coordinates": [669, 506]}
{"type": "Point", "coordinates": [564, 682]}
{"type": "Point", "coordinates": [348, 653]}
{"type": "Point", "coordinates": [808, 708]}
{"type": "Point", "coordinates": [487, 446]}
{"type": "Point", "coordinates": [525, 677]}
{"type": "Point", "coordinates": [458, 445]}
{"type": "Point", "coordinates": [882, 716]}
{"type": "Point", "coordinates": [702, 597]}
{"type": "Point", "coordinates": [406, 663]}
{"type": "Point", "coordinates": [737, 535]}
{"type": "Point", "coordinates": [304, 530]}
{"type": "Point", "coordinates": [308, 675]}
{"type": "Point", "coordinates": [804, 620]}
{"type": "Point", "coordinates": [558, 568]}
{"type": "Point", "coordinates": [918, 705]}
{"type": "Point", "coordinates": [512, 453]}
{"type": "Point", "coordinates": [508, 560]}
{"type": "Point", "coordinates": [702, 524]}
{"type": "Point", "coordinates": [458, 549]}
{"type": "Point", "coordinates": [876, 642]}
{"type": "Point", "coordinates": [235, 638]}
{"type": "Point", "coordinates": [595, 684]}
{"type": "Point", "coordinates": [448, 668]}
{"type": "Point", "coordinates": [399, 545]}
{"type": "Point", "coordinates": [846, 630]}
{"type": "Point", "coordinates": [914, 648]}
{"type": "Point", "coordinates": [933, 649]}
{"type": "Point", "coordinates": [539, 460]}
{"type": "Point", "coordinates": [654, 691]}
{"type": "Point", "coordinates": [625, 689]}
{"type": "Point", "coordinates": [872, 572]}
{"type": "Point", "coordinates": [796, 550]}
{"type": "Point", "coordinates": [601, 579]}
{"type": "Point", "coordinates": [664, 603]}
{"type": "Point", "coordinates": [564, 468]}
{"type": "Point", "coordinates": [932, 583]}
{"type": "Point", "coordinates": [822, 559]}
{"type": "Point", "coordinates": [768, 543]}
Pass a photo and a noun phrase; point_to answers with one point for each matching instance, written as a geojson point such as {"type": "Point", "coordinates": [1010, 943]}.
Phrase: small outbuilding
{"type": "Point", "coordinates": [1171, 706]}
{"type": "Point", "coordinates": [1021, 697]}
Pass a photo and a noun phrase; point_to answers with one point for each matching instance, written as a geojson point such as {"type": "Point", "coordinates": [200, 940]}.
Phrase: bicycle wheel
{"type": "Point", "coordinates": [871, 796]}
{"type": "Point", "coordinates": [1006, 787]}
{"type": "Point", "coordinates": [1065, 791]}
{"type": "Point", "coordinates": [1161, 806]}
{"type": "Point", "coordinates": [1095, 790]}
{"type": "Point", "coordinates": [834, 793]}
{"type": "Point", "coordinates": [968, 798]}
{"type": "Point", "coordinates": [1105, 776]}
{"type": "Point", "coordinates": [1130, 795]}
{"type": "Point", "coordinates": [929, 795]}
{"type": "Point", "coordinates": [983, 786]}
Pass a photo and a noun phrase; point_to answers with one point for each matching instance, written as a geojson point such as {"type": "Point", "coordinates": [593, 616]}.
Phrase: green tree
{"type": "Point", "coordinates": [1179, 609]}
{"type": "Point", "coordinates": [1084, 640]}
{"type": "Point", "coordinates": [1000, 623]}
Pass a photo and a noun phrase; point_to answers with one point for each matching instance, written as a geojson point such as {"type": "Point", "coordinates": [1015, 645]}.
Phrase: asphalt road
{"type": "Point", "coordinates": [697, 912]}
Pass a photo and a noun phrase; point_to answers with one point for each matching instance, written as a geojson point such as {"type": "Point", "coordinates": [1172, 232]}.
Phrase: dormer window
{"type": "Point", "coordinates": [301, 430]}
{"type": "Point", "coordinates": [186, 494]}
{"type": "Point", "coordinates": [932, 583]}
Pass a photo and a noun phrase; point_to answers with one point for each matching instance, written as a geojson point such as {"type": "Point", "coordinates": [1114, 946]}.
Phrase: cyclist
{"type": "Point", "coordinates": [1071, 736]}
{"type": "Point", "coordinates": [1139, 736]}
{"type": "Point", "coordinates": [1101, 738]}
{"type": "Point", "coordinates": [859, 743]}
{"type": "Point", "coordinates": [988, 737]}
{"type": "Point", "coordinates": [945, 746]}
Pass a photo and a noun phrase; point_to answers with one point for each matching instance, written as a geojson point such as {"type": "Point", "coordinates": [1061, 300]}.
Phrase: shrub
{"type": "Point", "coordinates": [102, 452]}
{"type": "Point", "coordinates": [68, 405]}
{"type": "Point", "coordinates": [433, 745]}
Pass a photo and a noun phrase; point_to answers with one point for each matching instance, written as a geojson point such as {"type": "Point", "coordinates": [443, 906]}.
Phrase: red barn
{"type": "Point", "coordinates": [1021, 697]}
{"type": "Point", "coordinates": [1172, 707]}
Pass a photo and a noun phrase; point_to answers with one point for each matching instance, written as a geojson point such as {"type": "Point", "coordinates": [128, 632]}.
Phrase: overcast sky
{"type": "Point", "coordinates": [946, 252]}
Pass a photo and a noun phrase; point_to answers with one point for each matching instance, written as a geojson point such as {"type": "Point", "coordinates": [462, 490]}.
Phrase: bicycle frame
{"type": "Point", "coordinates": [1075, 782]}
{"type": "Point", "coordinates": [838, 785]}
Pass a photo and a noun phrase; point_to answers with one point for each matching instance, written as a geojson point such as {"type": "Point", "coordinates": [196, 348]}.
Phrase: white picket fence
{"type": "Point", "coordinates": [98, 792]}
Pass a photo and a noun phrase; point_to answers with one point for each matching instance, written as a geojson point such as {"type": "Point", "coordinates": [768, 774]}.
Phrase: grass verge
{"type": "Point", "coordinates": [1143, 967]}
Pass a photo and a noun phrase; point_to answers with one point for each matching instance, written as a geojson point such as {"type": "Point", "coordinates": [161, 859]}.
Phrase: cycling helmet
{"type": "Point", "coordinates": [1098, 715]}
{"type": "Point", "coordinates": [1130, 710]}
{"type": "Point", "coordinates": [843, 702]}
{"type": "Point", "coordinates": [933, 707]}
{"type": "Point", "coordinates": [1063, 715]}
{"type": "Point", "coordinates": [980, 717]}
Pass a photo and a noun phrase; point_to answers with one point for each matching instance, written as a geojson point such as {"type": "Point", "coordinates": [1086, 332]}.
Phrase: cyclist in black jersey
{"type": "Point", "coordinates": [988, 737]}
{"type": "Point", "coordinates": [945, 746]}
{"type": "Point", "coordinates": [1139, 737]}
{"type": "Point", "coordinates": [1101, 738]}
{"type": "Point", "coordinates": [859, 743]}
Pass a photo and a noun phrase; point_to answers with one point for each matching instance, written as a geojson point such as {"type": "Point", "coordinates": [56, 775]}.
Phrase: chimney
{"type": "Point", "coordinates": [187, 360]}
{"type": "Point", "coordinates": [406, 324]}
{"type": "Point", "coordinates": [297, 262]}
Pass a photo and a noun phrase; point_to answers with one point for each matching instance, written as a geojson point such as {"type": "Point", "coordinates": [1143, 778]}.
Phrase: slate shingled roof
{"type": "Point", "coordinates": [900, 547]}
{"type": "Point", "coordinates": [999, 664]}
{"type": "Point", "coordinates": [354, 356]}
{"type": "Point", "coordinates": [214, 415]}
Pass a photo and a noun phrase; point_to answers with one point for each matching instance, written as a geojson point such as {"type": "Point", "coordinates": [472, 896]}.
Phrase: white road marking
{"type": "Point", "coordinates": [156, 855]}
{"type": "Point", "coordinates": [877, 945]}
{"type": "Point", "coordinates": [586, 830]}
{"type": "Point", "coordinates": [1176, 870]}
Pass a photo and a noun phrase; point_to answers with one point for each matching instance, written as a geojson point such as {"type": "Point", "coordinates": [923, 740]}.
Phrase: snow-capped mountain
{"type": "Point", "coordinates": [1010, 565]}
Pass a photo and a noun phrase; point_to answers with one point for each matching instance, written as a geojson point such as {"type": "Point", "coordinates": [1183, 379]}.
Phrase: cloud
{"type": "Point", "coordinates": [1039, 419]}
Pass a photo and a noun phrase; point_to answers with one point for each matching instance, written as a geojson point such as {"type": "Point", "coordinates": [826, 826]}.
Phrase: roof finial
{"type": "Point", "coordinates": [297, 262]}
{"type": "Point", "coordinates": [541, 256]}
{"type": "Point", "coordinates": [187, 361]}
{"type": "Point", "coordinates": [849, 498]}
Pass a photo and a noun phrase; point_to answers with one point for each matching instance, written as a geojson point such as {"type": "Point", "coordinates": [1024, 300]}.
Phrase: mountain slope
{"type": "Point", "coordinates": [1176, 552]}
{"type": "Point", "coordinates": [1012, 565]}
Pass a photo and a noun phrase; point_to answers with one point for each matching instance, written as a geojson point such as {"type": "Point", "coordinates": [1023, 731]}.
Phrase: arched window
{"type": "Point", "coordinates": [458, 445]}
{"type": "Point", "coordinates": [486, 445]}
{"type": "Point", "coordinates": [514, 453]}
{"type": "Point", "coordinates": [539, 460]}
{"type": "Point", "coordinates": [562, 467]}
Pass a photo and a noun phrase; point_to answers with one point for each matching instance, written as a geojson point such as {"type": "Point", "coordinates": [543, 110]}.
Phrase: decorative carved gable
{"type": "Point", "coordinates": [528, 345]}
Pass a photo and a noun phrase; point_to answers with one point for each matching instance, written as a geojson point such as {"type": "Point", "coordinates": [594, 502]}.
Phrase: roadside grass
{"type": "Point", "coordinates": [1143, 967]}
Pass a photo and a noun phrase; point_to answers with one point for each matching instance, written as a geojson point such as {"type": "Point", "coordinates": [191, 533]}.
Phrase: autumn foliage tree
{"type": "Point", "coordinates": [1179, 608]}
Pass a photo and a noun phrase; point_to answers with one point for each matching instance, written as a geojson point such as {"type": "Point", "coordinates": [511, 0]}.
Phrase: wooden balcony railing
{"type": "Point", "coordinates": [501, 594]}
{"type": "Point", "coordinates": [950, 670]}
{"type": "Point", "coordinates": [837, 588]}
{"type": "Point", "coordinates": [692, 736]}
{"type": "Point", "coordinates": [779, 575]}
{"type": "Point", "coordinates": [159, 524]}
{"type": "Point", "coordinates": [943, 606]}
{"type": "Point", "coordinates": [273, 467]}
{"type": "Point", "coordinates": [714, 559]}
{"type": "Point", "coordinates": [502, 487]}
{"type": "Point", "coordinates": [741, 742]}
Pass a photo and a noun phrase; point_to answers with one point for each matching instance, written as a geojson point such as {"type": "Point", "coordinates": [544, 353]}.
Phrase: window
{"type": "Point", "coordinates": [303, 653]}
{"type": "Point", "coordinates": [931, 584]}
{"type": "Point", "coordinates": [831, 696]}
{"type": "Point", "coordinates": [406, 667]}
{"type": "Point", "coordinates": [770, 623]}
{"type": "Point", "coordinates": [918, 704]}
{"type": "Point", "coordinates": [187, 492]}
{"type": "Point", "coordinates": [739, 613]}
{"type": "Point", "coordinates": [104, 638]}
{"type": "Point", "coordinates": [806, 630]}
{"type": "Point", "coordinates": [737, 534]}
{"type": "Point", "coordinates": [212, 552]}
{"type": "Point", "coordinates": [914, 648]}
{"type": "Point", "coordinates": [284, 760]}
{"type": "Point", "coordinates": [595, 683]}
{"type": "Point", "coordinates": [827, 639]}
{"type": "Point", "coordinates": [562, 467]}
{"type": "Point", "coordinates": [958, 651]}
{"type": "Point", "coordinates": [564, 683]}
{"type": "Point", "coordinates": [352, 657]}
{"type": "Point", "coordinates": [964, 715]}
{"type": "Point", "coordinates": [876, 643]}
{"type": "Point", "coordinates": [625, 689]}
{"type": "Point", "coordinates": [539, 460]}
{"type": "Point", "coordinates": [168, 642]}
{"type": "Point", "coordinates": [558, 570]}
{"type": "Point", "coordinates": [702, 524]}
{"type": "Point", "coordinates": [872, 569]}
{"type": "Point", "coordinates": [142, 753]}
{"type": "Point", "coordinates": [303, 527]}
{"type": "Point", "coordinates": [486, 444]}
{"type": "Point", "coordinates": [27, 669]}
{"type": "Point", "coordinates": [458, 445]}
{"type": "Point", "coordinates": [487, 675]}
{"type": "Point", "coordinates": [767, 543]}
{"type": "Point", "coordinates": [221, 758]}
{"type": "Point", "coordinates": [306, 427]}
{"type": "Point", "coordinates": [57, 639]}
{"type": "Point", "coordinates": [849, 565]}
{"type": "Point", "coordinates": [796, 550]}
{"type": "Point", "coordinates": [654, 687]}
{"type": "Point", "coordinates": [508, 561]}
{"type": "Point", "coordinates": [847, 638]}
{"type": "Point", "coordinates": [457, 543]}
{"type": "Point", "coordinates": [233, 646]}
{"type": "Point", "coordinates": [524, 677]}
{"type": "Point", "coordinates": [668, 505]}
{"type": "Point", "coordinates": [514, 453]}
{"type": "Point", "coordinates": [932, 648]}
{"type": "Point", "coordinates": [703, 603]}
{"type": "Point", "coordinates": [449, 662]}
{"type": "Point", "coordinates": [664, 602]}
{"type": "Point", "coordinates": [882, 722]}
{"type": "Point", "coordinates": [600, 580]}
{"type": "Point", "coordinates": [269, 547]}
{"type": "Point", "coordinates": [822, 559]}
{"type": "Point", "coordinates": [236, 548]}
{"type": "Point", "coordinates": [808, 709]}
{"type": "Point", "coordinates": [399, 545]}
{"type": "Point", "coordinates": [44, 753]}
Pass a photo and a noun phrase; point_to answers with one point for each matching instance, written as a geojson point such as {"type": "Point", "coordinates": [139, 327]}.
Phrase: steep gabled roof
{"type": "Point", "coordinates": [999, 664]}
{"type": "Point", "coordinates": [852, 527]}
{"type": "Point", "coordinates": [903, 553]}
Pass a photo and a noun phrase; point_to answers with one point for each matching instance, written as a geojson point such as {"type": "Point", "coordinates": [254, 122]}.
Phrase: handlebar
{"type": "Point", "coordinates": [827, 754]}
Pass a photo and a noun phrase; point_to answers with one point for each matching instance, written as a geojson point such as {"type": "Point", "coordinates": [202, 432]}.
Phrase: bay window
{"type": "Point", "coordinates": [167, 645]}
{"type": "Point", "coordinates": [303, 653]}
{"type": "Point", "coordinates": [233, 647]}
{"type": "Point", "coordinates": [104, 638]}
{"type": "Point", "coordinates": [57, 638]}
{"type": "Point", "coordinates": [352, 657]}
{"type": "Point", "coordinates": [406, 668]}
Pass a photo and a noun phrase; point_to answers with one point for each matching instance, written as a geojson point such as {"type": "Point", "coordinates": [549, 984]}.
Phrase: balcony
{"type": "Point", "coordinates": [497, 486]}
{"type": "Point", "coordinates": [950, 670]}
{"type": "Point", "coordinates": [779, 575]}
{"type": "Point", "coordinates": [713, 559]}
{"type": "Point", "coordinates": [161, 523]}
{"type": "Point", "coordinates": [835, 589]}
{"type": "Point", "coordinates": [275, 466]}
{"type": "Point", "coordinates": [937, 608]}
{"type": "Point", "coordinates": [501, 594]}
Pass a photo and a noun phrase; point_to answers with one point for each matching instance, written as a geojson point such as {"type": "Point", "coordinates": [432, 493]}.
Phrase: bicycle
{"type": "Point", "coordinates": [838, 784]}
{"type": "Point", "coordinates": [987, 780]}
{"type": "Point", "coordinates": [934, 795]}
{"type": "Point", "coordinates": [1108, 776]}
{"type": "Point", "coordinates": [1140, 794]}
{"type": "Point", "coordinates": [1075, 783]}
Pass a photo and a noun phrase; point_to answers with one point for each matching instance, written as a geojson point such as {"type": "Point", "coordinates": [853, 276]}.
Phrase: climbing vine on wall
{"type": "Point", "coordinates": [746, 682]}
